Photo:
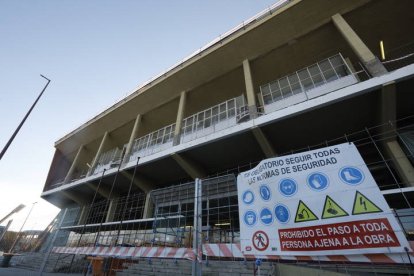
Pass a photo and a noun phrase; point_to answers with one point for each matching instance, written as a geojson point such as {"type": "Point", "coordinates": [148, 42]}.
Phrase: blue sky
{"type": "Point", "coordinates": [95, 52]}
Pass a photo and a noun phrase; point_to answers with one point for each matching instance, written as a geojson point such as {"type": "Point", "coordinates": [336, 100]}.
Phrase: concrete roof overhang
{"type": "Point", "coordinates": [250, 42]}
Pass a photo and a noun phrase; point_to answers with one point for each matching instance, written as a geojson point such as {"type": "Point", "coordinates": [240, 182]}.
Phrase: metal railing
{"type": "Point", "coordinates": [153, 142]}
{"type": "Point", "coordinates": [312, 81]}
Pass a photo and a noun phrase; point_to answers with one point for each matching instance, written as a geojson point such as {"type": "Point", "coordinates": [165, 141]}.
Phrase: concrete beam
{"type": "Point", "coordinates": [98, 153]}
{"type": "Point", "coordinates": [370, 61]}
{"type": "Point", "coordinates": [264, 143]}
{"type": "Point", "coordinates": [103, 191]}
{"type": "Point", "coordinates": [74, 164]}
{"type": "Point", "coordinates": [402, 164]}
{"type": "Point", "coordinates": [133, 136]}
{"type": "Point", "coordinates": [180, 117]}
{"type": "Point", "coordinates": [188, 166]}
{"type": "Point", "coordinates": [139, 181]}
{"type": "Point", "coordinates": [79, 198]}
{"type": "Point", "coordinates": [251, 98]}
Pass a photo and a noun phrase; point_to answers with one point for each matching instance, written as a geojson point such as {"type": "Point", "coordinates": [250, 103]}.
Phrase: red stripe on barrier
{"type": "Point", "coordinates": [304, 258]}
{"type": "Point", "coordinates": [159, 251]}
{"type": "Point", "coordinates": [146, 251]}
{"type": "Point", "coordinates": [338, 258]}
{"type": "Point", "coordinates": [379, 258]}
{"type": "Point", "coordinates": [172, 252]}
{"type": "Point", "coordinates": [208, 250]}
{"type": "Point", "coordinates": [226, 251]}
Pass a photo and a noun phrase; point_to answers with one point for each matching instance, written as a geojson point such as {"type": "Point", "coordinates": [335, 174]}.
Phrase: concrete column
{"type": "Point", "coordinates": [111, 210]}
{"type": "Point", "coordinates": [251, 99]}
{"type": "Point", "coordinates": [98, 153]}
{"type": "Point", "coordinates": [180, 117]}
{"type": "Point", "coordinates": [263, 142]}
{"type": "Point", "coordinates": [148, 208]}
{"type": "Point", "coordinates": [134, 134]}
{"type": "Point", "coordinates": [83, 215]}
{"type": "Point", "coordinates": [391, 145]}
{"type": "Point", "coordinates": [370, 61]}
{"type": "Point", "coordinates": [74, 164]}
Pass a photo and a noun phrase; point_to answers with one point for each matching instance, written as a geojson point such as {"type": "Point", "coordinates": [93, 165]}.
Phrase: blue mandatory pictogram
{"type": "Point", "coordinates": [317, 181]}
{"type": "Point", "coordinates": [248, 197]}
{"type": "Point", "coordinates": [288, 187]}
{"type": "Point", "coordinates": [351, 175]}
{"type": "Point", "coordinates": [250, 218]}
{"type": "Point", "coordinates": [282, 213]}
{"type": "Point", "coordinates": [266, 216]}
{"type": "Point", "coordinates": [265, 192]}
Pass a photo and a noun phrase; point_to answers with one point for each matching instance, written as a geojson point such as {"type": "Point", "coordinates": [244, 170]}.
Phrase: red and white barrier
{"type": "Point", "coordinates": [225, 250]}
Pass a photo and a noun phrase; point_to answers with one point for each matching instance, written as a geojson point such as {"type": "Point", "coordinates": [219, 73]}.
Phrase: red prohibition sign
{"type": "Point", "coordinates": [260, 240]}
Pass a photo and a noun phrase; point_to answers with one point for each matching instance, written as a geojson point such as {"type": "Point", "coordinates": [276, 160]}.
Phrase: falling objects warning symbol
{"type": "Point", "coordinates": [331, 209]}
{"type": "Point", "coordinates": [362, 205]}
{"type": "Point", "coordinates": [260, 240]}
{"type": "Point", "coordinates": [303, 213]}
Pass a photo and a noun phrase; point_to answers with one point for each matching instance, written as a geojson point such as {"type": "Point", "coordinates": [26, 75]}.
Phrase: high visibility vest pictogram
{"type": "Point", "coordinates": [362, 205]}
{"type": "Point", "coordinates": [303, 213]}
{"type": "Point", "coordinates": [331, 209]}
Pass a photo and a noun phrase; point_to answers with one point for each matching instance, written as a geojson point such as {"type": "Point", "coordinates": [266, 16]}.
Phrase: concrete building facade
{"type": "Point", "coordinates": [301, 75]}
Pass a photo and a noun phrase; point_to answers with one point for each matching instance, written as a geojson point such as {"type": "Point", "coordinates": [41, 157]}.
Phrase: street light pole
{"type": "Point", "coordinates": [21, 228]}
{"type": "Point", "coordinates": [24, 119]}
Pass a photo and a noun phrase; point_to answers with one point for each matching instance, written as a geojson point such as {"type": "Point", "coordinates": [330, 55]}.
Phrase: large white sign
{"type": "Point", "coordinates": [320, 202]}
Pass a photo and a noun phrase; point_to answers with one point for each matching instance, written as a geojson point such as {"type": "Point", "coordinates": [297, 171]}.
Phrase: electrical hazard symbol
{"type": "Point", "coordinates": [331, 209]}
{"type": "Point", "coordinates": [303, 213]}
{"type": "Point", "coordinates": [362, 205]}
{"type": "Point", "coordinates": [260, 240]}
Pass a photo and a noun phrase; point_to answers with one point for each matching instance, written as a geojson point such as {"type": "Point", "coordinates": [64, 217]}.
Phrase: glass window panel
{"type": "Point", "coordinates": [286, 92]}
{"type": "Point", "coordinates": [222, 107]}
{"type": "Point", "coordinates": [317, 79]}
{"type": "Point", "coordinates": [232, 112]}
{"type": "Point", "coordinates": [325, 65]}
{"type": "Point", "coordinates": [222, 116]}
{"type": "Point", "coordinates": [303, 74]}
{"type": "Point", "coordinates": [207, 122]}
{"type": "Point", "coordinates": [200, 117]}
{"type": "Point", "coordinates": [265, 89]}
{"type": "Point", "coordinates": [314, 70]}
{"type": "Point", "coordinates": [296, 88]}
{"type": "Point", "coordinates": [214, 119]}
{"type": "Point", "coordinates": [277, 96]}
{"type": "Point", "coordinates": [283, 83]}
{"type": "Point", "coordinates": [341, 70]}
{"type": "Point", "coordinates": [215, 110]}
{"type": "Point", "coordinates": [208, 113]}
{"type": "Point", "coordinates": [230, 104]}
{"type": "Point", "coordinates": [330, 75]}
{"type": "Point", "coordinates": [336, 61]}
{"type": "Point", "coordinates": [267, 99]}
{"type": "Point", "coordinates": [293, 79]}
{"type": "Point", "coordinates": [274, 86]}
{"type": "Point", "coordinates": [307, 84]}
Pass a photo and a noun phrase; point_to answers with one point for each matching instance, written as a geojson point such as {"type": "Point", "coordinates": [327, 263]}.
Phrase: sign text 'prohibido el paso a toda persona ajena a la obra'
{"type": "Point", "coordinates": [320, 202]}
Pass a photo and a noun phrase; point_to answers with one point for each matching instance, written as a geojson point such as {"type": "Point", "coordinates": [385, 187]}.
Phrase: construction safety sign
{"type": "Point", "coordinates": [320, 202]}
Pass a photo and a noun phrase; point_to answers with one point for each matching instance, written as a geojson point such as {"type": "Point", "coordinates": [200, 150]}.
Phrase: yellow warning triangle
{"type": "Point", "coordinates": [331, 209]}
{"type": "Point", "coordinates": [303, 213]}
{"type": "Point", "coordinates": [362, 205]}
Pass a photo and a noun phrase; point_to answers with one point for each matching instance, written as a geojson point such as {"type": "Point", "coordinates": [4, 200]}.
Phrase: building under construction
{"type": "Point", "coordinates": [153, 177]}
